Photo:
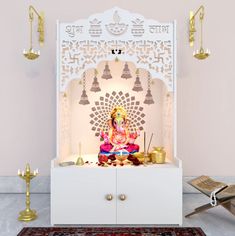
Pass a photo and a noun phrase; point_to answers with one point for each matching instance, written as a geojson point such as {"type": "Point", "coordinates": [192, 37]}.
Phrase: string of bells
{"type": "Point", "coordinates": [126, 74]}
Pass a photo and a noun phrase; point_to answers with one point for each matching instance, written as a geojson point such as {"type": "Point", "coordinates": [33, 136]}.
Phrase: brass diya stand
{"type": "Point", "coordinates": [28, 214]}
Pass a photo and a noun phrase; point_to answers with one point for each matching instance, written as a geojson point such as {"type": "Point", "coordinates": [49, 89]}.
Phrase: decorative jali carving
{"type": "Point", "coordinates": [102, 108]}
{"type": "Point", "coordinates": [168, 114]}
{"type": "Point", "coordinates": [64, 130]}
{"type": "Point", "coordinates": [76, 56]}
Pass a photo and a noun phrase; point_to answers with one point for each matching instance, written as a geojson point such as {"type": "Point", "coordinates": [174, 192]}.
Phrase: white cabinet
{"type": "Point", "coordinates": [78, 196]}
{"type": "Point", "coordinates": [153, 195]}
{"type": "Point", "coordinates": [150, 195]}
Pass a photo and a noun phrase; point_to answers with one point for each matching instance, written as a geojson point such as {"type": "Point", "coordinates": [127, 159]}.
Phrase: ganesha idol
{"type": "Point", "coordinates": [118, 141]}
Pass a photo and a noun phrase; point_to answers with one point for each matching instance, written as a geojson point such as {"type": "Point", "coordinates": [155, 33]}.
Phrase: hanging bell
{"type": "Point", "coordinates": [126, 74]}
{"type": "Point", "coordinates": [95, 87]}
{"type": "Point", "coordinates": [106, 73]}
{"type": "Point", "coordinates": [148, 98]}
{"type": "Point", "coordinates": [84, 98]}
{"type": "Point", "coordinates": [137, 85]}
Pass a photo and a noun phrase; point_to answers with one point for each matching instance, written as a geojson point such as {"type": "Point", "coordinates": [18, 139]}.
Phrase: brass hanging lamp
{"type": "Point", "coordinates": [32, 54]}
{"type": "Point", "coordinates": [201, 53]}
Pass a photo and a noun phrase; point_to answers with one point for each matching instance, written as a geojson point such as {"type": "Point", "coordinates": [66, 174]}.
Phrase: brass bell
{"type": "Point", "coordinates": [80, 161]}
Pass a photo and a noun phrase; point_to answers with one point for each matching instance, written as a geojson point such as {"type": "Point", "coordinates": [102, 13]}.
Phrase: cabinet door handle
{"type": "Point", "coordinates": [109, 197]}
{"type": "Point", "coordinates": [122, 197]}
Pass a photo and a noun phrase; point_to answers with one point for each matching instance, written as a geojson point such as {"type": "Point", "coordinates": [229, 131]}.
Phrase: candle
{"type": "Point", "coordinates": [144, 143]}
{"type": "Point", "coordinates": [149, 143]}
{"type": "Point", "coordinates": [18, 171]}
{"type": "Point", "coordinates": [79, 149]}
{"type": "Point", "coordinates": [34, 172]}
{"type": "Point", "coordinates": [22, 173]}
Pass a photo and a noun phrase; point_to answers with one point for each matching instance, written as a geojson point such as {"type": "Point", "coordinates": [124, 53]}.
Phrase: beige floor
{"type": "Point", "coordinates": [215, 222]}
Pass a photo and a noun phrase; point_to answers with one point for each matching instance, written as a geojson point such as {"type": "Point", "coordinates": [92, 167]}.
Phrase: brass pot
{"type": "Point", "coordinates": [158, 155]}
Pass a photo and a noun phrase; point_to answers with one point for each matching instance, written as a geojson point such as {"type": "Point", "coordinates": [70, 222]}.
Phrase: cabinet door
{"type": "Point", "coordinates": [78, 195]}
{"type": "Point", "coordinates": [152, 195]}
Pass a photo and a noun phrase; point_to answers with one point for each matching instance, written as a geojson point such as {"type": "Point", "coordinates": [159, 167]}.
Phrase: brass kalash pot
{"type": "Point", "coordinates": [158, 155]}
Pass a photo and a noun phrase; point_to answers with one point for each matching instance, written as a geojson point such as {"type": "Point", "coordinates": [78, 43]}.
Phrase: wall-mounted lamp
{"type": "Point", "coordinates": [32, 54]}
{"type": "Point", "coordinates": [201, 53]}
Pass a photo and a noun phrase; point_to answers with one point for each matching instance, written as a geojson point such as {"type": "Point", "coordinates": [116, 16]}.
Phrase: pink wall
{"type": "Point", "coordinates": [206, 100]}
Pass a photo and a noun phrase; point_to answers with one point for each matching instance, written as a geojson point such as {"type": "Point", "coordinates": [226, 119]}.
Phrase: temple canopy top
{"type": "Point", "coordinates": [147, 43]}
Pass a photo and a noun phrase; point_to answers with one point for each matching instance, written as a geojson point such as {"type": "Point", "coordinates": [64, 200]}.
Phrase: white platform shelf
{"type": "Point", "coordinates": [78, 194]}
{"type": "Point", "coordinates": [93, 159]}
